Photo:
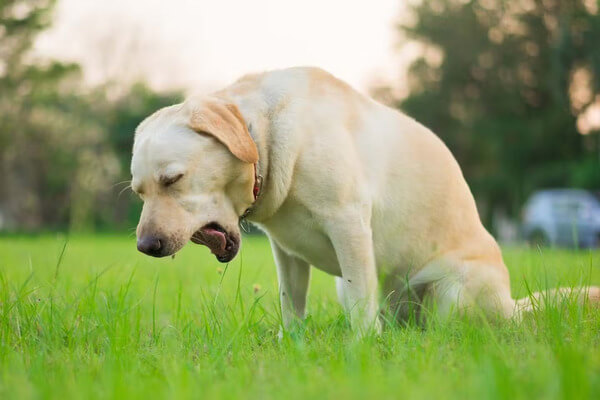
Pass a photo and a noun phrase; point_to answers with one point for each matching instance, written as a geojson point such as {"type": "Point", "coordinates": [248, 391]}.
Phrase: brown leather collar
{"type": "Point", "coordinates": [257, 184]}
{"type": "Point", "coordinates": [258, 179]}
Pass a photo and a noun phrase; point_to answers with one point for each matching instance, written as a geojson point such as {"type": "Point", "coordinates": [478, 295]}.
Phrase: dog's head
{"type": "Point", "coordinates": [192, 166]}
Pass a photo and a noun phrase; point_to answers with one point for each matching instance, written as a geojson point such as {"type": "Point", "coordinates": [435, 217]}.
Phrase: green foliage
{"type": "Point", "coordinates": [63, 146]}
{"type": "Point", "coordinates": [494, 83]}
{"type": "Point", "coordinates": [128, 111]}
{"type": "Point", "coordinates": [103, 321]}
{"type": "Point", "coordinates": [118, 119]}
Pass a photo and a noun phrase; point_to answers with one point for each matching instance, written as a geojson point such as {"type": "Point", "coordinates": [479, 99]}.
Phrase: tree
{"type": "Point", "coordinates": [120, 117]}
{"type": "Point", "coordinates": [63, 146]}
{"type": "Point", "coordinates": [496, 82]}
{"type": "Point", "coordinates": [32, 121]}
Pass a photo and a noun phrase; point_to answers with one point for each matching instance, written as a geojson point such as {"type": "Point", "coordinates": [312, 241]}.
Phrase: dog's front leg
{"type": "Point", "coordinates": [352, 239]}
{"type": "Point", "coordinates": [293, 275]}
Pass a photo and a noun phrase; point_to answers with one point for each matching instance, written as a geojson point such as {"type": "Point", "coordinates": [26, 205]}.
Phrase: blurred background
{"type": "Point", "coordinates": [512, 87]}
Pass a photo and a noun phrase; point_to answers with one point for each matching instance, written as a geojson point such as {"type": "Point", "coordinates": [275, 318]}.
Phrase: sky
{"type": "Point", "coordinates": [202, 45]}
{"type": "Point", "coordinates": [206, 44]}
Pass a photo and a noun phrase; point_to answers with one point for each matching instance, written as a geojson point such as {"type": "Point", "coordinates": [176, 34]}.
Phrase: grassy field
{"type": "Point", "coordinates": [103, 321]}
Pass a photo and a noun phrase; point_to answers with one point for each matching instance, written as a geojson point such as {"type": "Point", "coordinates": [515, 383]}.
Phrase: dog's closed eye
{"type": "Point", "coordinates": [167, 181]}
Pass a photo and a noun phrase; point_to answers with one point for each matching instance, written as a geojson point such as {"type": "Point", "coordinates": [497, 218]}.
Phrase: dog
{"type": "Point", "coordinates": [337, 181]}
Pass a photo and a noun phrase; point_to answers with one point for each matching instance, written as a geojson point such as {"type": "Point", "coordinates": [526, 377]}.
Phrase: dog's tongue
{"type": "Point", "coordinates": [215, 240]}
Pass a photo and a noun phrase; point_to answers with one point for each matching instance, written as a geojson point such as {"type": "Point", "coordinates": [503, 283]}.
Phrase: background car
{"type": "Point", "coordinates": [562, 217]}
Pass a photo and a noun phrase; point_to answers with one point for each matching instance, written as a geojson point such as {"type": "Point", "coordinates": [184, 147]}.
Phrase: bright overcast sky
{"type": "Point", "coordinates": [205, 44]}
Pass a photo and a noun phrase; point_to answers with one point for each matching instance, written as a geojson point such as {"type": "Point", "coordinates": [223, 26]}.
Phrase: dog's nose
{"type": "Point", "coordinates": [150, 245]}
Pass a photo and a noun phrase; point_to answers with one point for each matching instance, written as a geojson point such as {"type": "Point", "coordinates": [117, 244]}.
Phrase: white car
{"type": "Point", "coordinates": [562, 217]}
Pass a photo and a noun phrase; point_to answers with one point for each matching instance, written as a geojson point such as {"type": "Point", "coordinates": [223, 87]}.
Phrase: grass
{"type": "Point", "coordinates": [96, 319]}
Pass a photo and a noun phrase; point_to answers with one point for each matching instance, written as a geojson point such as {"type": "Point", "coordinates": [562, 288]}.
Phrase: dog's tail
{"type": "Point", "coordinates": [537, 300]}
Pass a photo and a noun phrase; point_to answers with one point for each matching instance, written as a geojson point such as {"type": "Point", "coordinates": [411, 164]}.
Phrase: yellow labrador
{"type": "Point", "coordinates": [336, 180]}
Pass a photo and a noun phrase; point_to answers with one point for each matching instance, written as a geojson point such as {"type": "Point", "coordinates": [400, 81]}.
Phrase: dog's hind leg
{"type": "Point", "coordinates": [470, 287]}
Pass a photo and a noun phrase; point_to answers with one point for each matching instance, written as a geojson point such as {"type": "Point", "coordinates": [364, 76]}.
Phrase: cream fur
{"type": "Point", "coordinates": [351, 187]}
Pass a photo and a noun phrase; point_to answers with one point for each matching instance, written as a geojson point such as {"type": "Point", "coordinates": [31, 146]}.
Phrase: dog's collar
{"type": "Point", "coordinates": [258, 179]}
{"type": "Point", "coordinates": [257, 183]}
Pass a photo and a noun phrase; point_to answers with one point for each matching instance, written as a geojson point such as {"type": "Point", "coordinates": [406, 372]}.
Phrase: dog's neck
{"type": "Point", "coordinates": [275, 182]}
{"type": "Point", "coordinates": [256, 190]}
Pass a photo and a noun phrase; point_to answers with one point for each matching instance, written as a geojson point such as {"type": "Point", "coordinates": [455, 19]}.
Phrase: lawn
{"type": "Point", "coordinates": [99, 320]}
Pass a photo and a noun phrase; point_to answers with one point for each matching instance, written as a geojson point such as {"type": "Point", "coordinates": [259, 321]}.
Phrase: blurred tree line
{"type": "Point", "coordinates": [64, 147]}
{"type": "Point", "coordinates": [507, 85]}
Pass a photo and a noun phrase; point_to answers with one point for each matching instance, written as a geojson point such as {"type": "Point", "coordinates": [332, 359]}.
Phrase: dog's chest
{"type": "Point", "coordinates": [296, 230]}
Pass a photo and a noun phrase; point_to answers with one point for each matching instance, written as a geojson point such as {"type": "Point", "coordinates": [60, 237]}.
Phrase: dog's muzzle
{"type": "Point", "coordinates": [151, 245]}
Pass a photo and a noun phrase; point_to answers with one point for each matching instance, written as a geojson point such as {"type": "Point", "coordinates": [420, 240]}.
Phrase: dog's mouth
{"type": "Point", "coordinates": [222, 244]}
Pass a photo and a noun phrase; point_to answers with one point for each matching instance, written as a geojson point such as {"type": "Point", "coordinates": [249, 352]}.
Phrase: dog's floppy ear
{"type": "Point", "coordinates": [225, 123]}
